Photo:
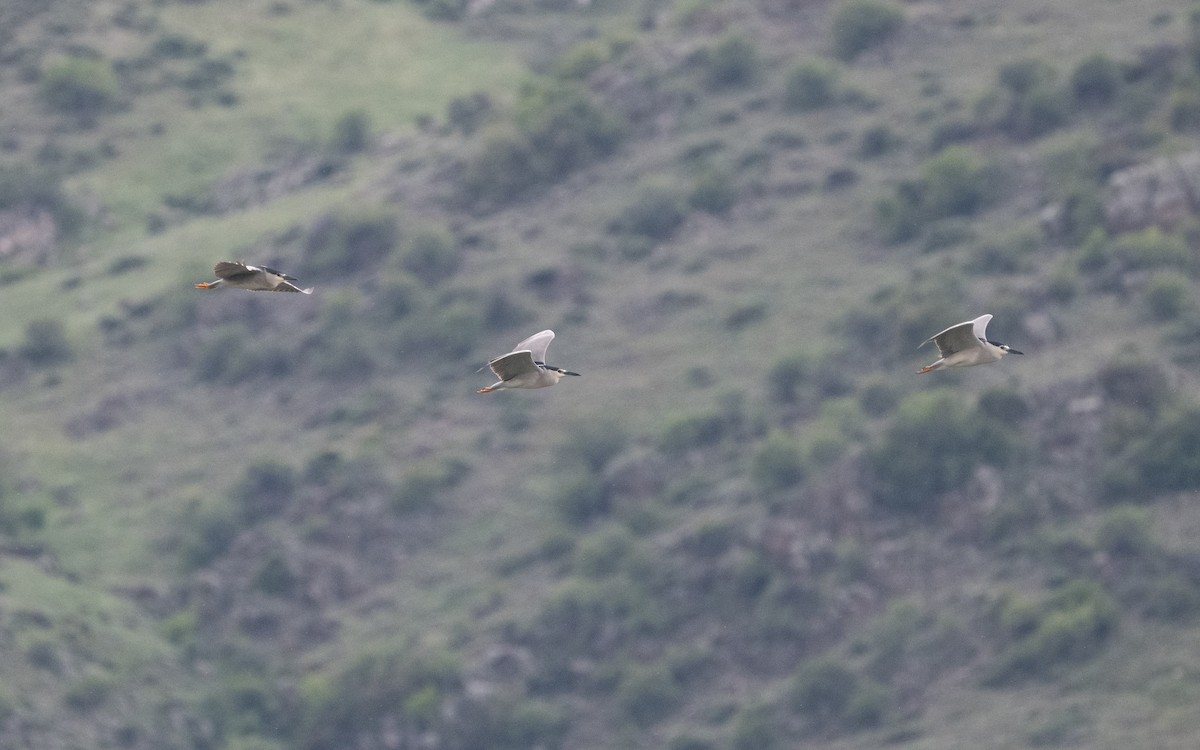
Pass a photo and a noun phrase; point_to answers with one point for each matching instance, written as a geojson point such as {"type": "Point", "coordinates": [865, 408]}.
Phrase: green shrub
{"type": "Point", "coordinates": [1029, 102]}
{"type": "Point", "coordinates": [591, 618]}
{"type": "Point", "coordinates": [582, 498]}
{"type": "Point", "coordinates": [583, 59]}
{"type": "Point", "coordinates": [822, 690]}
{"type": "Point", "coordinates": [594, 442]}
{"type": "Point", "coordinates": [1167, 458]}
{"type": "Point", "coordinates": [431, 255]}
{"type": "Point", "coordinates": [810, 85]}
{"type": "Point", "coordinates": [1125, 530]}
{"type": "Point", "coordinates": [1135, 383]}
{"type": "Point", "coordinates": [1003, 404]}
{"type": "Point", "coordinates": [712, 539]}
{"type": "Point", "coordinates": [1171, 598]}
{"type": "Point", "coordinates": [531, 724]}
{"type": "Point", "coordinates": [1151, 248]}
{"type": "Point", "coordinates": [419, 487]}
{"type": "Point", "coordinates": [266, 489]}
{"type": "Point", "coordinates": [1096, 80]}
{"type": "Point", "coordinates": [655, 212]}
{"type": "Point", "coordinates": [369, 697]}
{"type": "Point", "coordinates": [275, 578]}
{"type": "Point", "coordinates": [732, 63]}
{"type": "Point", "coordinates": [877, 140]}
{"type": "Point", "coordinates": [45, 343]}
{"type": "Point", "coordinates": [210, 530]}
{"type": "Point", "coordinates": [786, 377]}
{"type": "Point", "coordinates": [758, 728]}
{"type": "Point", "coordinates": [777, 463]}
{"type": "Point", "coordinates": [502, 169]}
{"type": "Point", "coordinates": [649, 695]}
{"type": "Point", "coordinates": [1184, 111]}
{"type": "Point", "coordinates": [859, 25]}
{"type": "Point", "coordinates": [80, 86]}
{"type": "Point", "coordinates": [345, 243]}
{"type": "Point", "coordinates": [565, 128]}
{"type": "Point", "coordinates": [352, 132]}
{"type": "Point", "coordinates": [1073, 624]}
{"type": "Point", "coordinates": [694, 431]}
{"type": "Point", "coordinates": [604, 552]}
{"type": "Point", "coordinates": [932, 445]}
{"type": "Point", "coordinates": [559, 128]}
{"type": "Point", "coordinates": [953, 183]}
{"type": "Point", "coordinates": [88, 693]}
{"type": "Point", "coordinates": [867, 706]}
{"type": "Point", "coordinates": [467, 113]}
{"type": "Point", "coordinates": [1168, 295]}
{"type": "Point", "coordinates": [443, 10]}
{"type": "Point", "coordinates": [713, 192]}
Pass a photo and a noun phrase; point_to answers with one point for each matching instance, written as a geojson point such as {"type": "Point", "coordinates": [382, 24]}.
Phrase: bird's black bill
{"type": "Point", "coordinates": [568, 372]}
{"type": "Point", "coordinates": [1014, 351]}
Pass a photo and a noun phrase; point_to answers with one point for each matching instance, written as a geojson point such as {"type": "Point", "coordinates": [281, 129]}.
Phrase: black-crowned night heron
{"type": "Point", "coordinates": [966, 345]}
{"type": "Point", "coordinates": [525, 366]}
{"type": "Point", "coordinates": [254, 278]}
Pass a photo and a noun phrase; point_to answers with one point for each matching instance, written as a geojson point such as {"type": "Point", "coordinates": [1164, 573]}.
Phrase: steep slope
{"type": "Point", "coordinates": [243, 520]}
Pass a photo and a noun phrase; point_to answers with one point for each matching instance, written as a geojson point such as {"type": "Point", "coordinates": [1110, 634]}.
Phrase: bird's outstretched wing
{"type": "Point", "coordinates": [513, 364]}
{"type": "Point", "coordinates": [537, 344]}
{"type": "Point", "coordinates": [227, 270]}
{"type": "Point", "coordinates": [960, 337]}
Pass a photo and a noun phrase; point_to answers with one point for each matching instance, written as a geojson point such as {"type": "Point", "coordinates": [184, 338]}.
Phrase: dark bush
{"type": "Point", "coordinates": [378, 695]}
{"type": "Point", "coordinates": [1096, 80]}
{"type": "Point", "coordinates": [648, 695]}
{"type": "Point", "coordinates": [89, 693]}
{"type": "Point", "coordinates": [582, 498]}
{"type": "Point", "coordinates": [694, 431]}
{"type": "Point", "coordinates": [713, 192]}
{"type": "Point", "coordinates": [1167, 458]}
{"type": "Point", "coordinates": [932, 445]}
{"type": "Point", "coordinates": [1125, 530]}
{"type": "Point", "coordinates": [565, 128]}
{"type": "Point", "coordinates": [1073, 624]}
{"type": "Point", "coordinates": [758, 728]}
{"type": "Point", "coordinates": [419, 488]}
{"type": "Point", "coordinates": [1168, 295]}
{"type": "Point", "coordinates": [80, 86]}
{"type": "Point", "coordinates": [1184, 111]}
{"type": "Point", "coordinates": [655, 212]}
{"type": "Point", "coordinates": [859, 25]}
{"type": "Point", "coordinates": [468, 113]}
{"type": "Point", "coordinates": [345, 243]}
{"type": "Point", "coordinates": [823, 690]}
{"type": "Point", "coordinates": [594, 442]}
{"type": "Point", "coordinates": [777, 463]}
{"type": "Point", "coordinates": [501, 170]}
{"type": "Point", "coordinates": [45, 343]}
{"type": "Point", "coordinates": [877, 141]}
{"type": "Point", "coordinates": [265, 490]}
{"type": "Point", "coordinates": [432, 256]}
{"type": "Point", "coordinates": [732, 63]}
{"type": "Point", "coordinates": [1135, 383]}
{"type": "Point", "coordinates": [810, 85]}
{"type": "Point", "coordinates": [352, 132]}
{"type": "Point", "coordinates": [559, 128]}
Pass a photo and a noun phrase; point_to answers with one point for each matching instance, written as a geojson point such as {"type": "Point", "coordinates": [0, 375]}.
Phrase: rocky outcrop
{"type": "Point", "coordinates": [1162, 193]}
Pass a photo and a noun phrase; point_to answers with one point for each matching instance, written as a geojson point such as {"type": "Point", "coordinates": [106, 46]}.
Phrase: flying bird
{"type": "Point", "coordinates": [966, 345]}
{"type": "Point", "coordinates": [525, 366]}
{"type": "Point", "coordinates": [255, 278]}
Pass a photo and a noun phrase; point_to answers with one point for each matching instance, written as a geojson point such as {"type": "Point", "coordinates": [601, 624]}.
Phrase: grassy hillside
{"type": "Point", "coordinates": [231, 520]}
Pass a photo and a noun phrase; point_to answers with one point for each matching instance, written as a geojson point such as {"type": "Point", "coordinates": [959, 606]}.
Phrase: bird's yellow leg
{"type": "Point", "coordinates": [926, 368]}
{"type": "Point", "coordinates": [203, 285]}
{"type": "Point", "coordinates": [488, 389]}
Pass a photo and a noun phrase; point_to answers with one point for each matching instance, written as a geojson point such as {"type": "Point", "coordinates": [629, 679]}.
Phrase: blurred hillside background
{"type": "Point", "coordinates": [234, 521]}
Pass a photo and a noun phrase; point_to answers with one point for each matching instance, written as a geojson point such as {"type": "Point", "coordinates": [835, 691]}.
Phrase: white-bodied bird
{"type": "Point", "coordinates": [966, 345]}
{"type": "Point", "coordinates": [525, 366]}
{"type": "Point", "coordinates": [254, 278]}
